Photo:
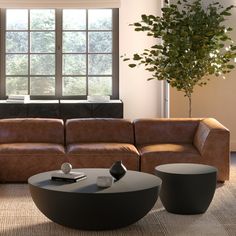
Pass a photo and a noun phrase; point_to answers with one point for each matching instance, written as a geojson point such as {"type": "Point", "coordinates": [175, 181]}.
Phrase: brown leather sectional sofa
{"type": "Point", "coordinates": [33, 145]}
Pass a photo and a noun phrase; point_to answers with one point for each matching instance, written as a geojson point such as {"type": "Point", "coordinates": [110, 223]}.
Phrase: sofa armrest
{"type": "Point", "coordinates": [212, 141]}
{"type": "Point", "coordinates": [211, 137]}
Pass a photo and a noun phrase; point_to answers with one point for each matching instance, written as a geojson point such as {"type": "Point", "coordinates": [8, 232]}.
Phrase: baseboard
{"type": "Point", "coordinates": [233, 146]}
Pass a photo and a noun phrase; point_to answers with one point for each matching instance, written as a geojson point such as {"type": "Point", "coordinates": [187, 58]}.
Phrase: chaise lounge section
{"type": "Point", "coordinates": [162, 141]}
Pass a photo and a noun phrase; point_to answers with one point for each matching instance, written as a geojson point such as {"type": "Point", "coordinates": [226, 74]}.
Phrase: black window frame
{"type": "Point", "coordinates": [58, 58]}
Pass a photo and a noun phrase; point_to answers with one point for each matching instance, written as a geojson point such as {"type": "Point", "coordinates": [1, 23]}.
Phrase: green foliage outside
{"type": "Point", "coordinates": [42, 64]}
{"type": "Point", "coordinates": [194, 43]}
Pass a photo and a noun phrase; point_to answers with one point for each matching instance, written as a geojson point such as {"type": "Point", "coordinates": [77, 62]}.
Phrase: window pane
{"type": "Point", "coordinates": [42, 19]}
{"type": "Point", "coordinates": [42, 42]}
{"type": "Point", "coordinates": [100, 86]}
{"type": "Point", "coordinates": [42, 64]}
{"type": "Point", "coordinates": [16, 85]}
{"type": "Point", "coordinates": [16, 64]}
{"type": "Point", "coordinates": [74, 64]}
{"type": "Point", "coordinates": [74, 19]}
{"type": "Point", "coordinates": [74, 42]}
{"type": "Point", "coordinates": [74, 86]}
{"type": "Point", "coordinates": [17, 42]}
{"type": "Point", "coordinates": [17, 19]}
{"type": "Point", "coordinates": [100, 19]}
{"type": "Point", "coordinates": [42, 86]}
{"type": "Point", "coordinates": [100, 64]}
{"type": "Point", "coordinates": [100, 42]}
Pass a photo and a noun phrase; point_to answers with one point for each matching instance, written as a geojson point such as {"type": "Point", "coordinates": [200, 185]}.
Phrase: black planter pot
{"type": "Point", "coordinates": [118, 170]}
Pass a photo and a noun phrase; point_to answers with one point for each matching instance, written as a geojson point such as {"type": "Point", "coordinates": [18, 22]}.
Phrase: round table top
{"type": "Point", "coordinates": [132, 181]}
{"type": "Point", "coordinates": [185, 169]}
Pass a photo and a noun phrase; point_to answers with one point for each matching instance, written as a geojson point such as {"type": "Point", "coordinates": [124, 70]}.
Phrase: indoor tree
{"type": "Point", "coordinates": [193, 42]}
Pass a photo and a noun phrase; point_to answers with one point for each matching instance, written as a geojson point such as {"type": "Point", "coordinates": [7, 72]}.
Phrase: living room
{"type": "Point", "coordinates": [63, 94]}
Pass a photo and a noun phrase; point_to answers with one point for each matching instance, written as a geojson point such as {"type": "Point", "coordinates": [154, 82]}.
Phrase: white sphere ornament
{"type": "Point", "coordinates": [66, 168]}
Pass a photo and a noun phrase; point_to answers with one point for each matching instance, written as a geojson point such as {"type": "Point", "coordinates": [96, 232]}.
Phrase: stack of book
{"type": "Point", "coordinates": [18, 98]}
{"type": "Point", "coordinates": [98, 98]}
{"type": "Point", "coordinates": [71, 177]}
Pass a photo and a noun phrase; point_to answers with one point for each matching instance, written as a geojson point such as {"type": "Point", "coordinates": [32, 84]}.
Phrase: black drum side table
{"type": "Point", "coordinates": [187, 188]}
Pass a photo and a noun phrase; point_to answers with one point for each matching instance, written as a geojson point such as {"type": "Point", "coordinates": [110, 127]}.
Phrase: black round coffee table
{"type": "Point", "coordinates": [83, 205]}
{"type": "Point", "coordinates": [187, 188]}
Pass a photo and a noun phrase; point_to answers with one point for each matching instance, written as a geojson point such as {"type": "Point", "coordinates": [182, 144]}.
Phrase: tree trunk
{"type": "Point", "coordinates": [189, 105]}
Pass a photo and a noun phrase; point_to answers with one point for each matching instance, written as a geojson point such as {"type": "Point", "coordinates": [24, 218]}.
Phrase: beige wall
{"type": "Point", "coordinates": [141, 98]}
{"type": "Point", "coordinates": [217, 99]}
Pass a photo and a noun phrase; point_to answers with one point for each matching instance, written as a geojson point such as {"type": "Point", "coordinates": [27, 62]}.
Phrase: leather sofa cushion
{"type": "Point", "coordinates": [99, 130]}
{"type": "Point", "coordinates": [102, 155]}
{"type": "Point", "coordinates": [157, 154]}
{"type": "Point", "coordinates": [32, 130]}
{"type": "Point", "coordinates": [18, 168]}
{"type": "Point", "coordinates": [102, 149]}
{"type": "Point", "coordinates": [31, 148]}
{"type": "Point", "coordinates": [168, 149]}
{"type": "Point", "coordinates": [174, 130]}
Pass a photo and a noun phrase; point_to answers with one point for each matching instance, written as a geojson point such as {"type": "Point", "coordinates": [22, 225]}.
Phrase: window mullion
{"type": "Point", "coordinates": [58, 51]}
{"type": "Point", "coordinates": [87, 61]}
{"type": "Point", "coordinates": [115, 54]}
{"type": "Point", "coordinates": [3, 49]}
{"type": "Point", "coordinates": [29, 52]}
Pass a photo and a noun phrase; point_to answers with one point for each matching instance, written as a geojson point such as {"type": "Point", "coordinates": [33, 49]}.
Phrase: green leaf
{"type": "Point", "coordinates": [132, 65]}
{"type": "Point", "coordinates": [157, 46]}
{"type": "Point", "coordinates": [148, 60]}
{"type": "Point", "coordinates": [137, 24]}
{"type": "Point", "coordinates": [152, 17]}
{"type": "Point", "coordinates": [136, 57]}
{"type": "Point", "coordinates": [229, 8]}
{"type": "Point", "coordinates": [230, 66]}
{"type": "Point", "coordinates": [225, 13]}
{"type": "Point", "coordinates": [126, 59]}
{"type": "Point", "coordinates": [144, 17]}
{"type": "Point", "coordinates": [221, 45]}
{"type": "Point", "coordinates": [233, 47]}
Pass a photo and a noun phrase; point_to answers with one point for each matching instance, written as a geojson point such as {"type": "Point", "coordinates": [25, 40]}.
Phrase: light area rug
{"type": "Point", "coordinates": [20, 217]}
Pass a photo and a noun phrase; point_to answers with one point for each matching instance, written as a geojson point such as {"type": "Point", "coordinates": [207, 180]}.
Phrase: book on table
{"type": "Point", "coordinates": [70, 177]}
{"type": "Point", "coordinates": [18, 98]}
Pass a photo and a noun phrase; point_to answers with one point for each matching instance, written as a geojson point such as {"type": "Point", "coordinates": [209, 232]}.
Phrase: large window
{"type": "Point", "coordinates": [50, 53]}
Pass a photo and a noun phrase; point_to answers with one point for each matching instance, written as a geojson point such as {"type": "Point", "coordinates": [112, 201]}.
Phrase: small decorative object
{"type": "Point", "coordinates": [98, 98]}
{"type": "Point", "coordinates": [104, 181]}
{"type": "Point", "coordinates": [65, 174]}
{"type": "Point", "coordinates": [18, 98]}
{"type": "Point", "coordinates": [66, 168]}
{"type": "Point", "coordinates": [118, 170]}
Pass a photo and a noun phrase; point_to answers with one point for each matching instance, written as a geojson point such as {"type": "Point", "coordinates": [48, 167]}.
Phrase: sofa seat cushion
{"type": "Point", "coordinates": [168, 149]}
{"type": "Point", "coordinates": [163, 153]}
{"type": "Point", "coordinates": [102, 149]}
{"type": "Point", "coordinates": [102, 155]}
{"type": "Point", "coordinates": [31, 148]}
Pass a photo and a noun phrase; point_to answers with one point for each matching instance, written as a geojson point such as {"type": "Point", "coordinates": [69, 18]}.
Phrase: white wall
{"type": "Point", "coordinates": [141, 98]}
{"type": "Point", "coordinates": [217, 99]}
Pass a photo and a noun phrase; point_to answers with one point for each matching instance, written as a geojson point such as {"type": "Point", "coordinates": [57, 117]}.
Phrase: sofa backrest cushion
{"type": "Point", "coordinates": [171, 130]}
{"type": "Point", "coordinates": [32, 130]}
{"type": "Point", "coordinates": [99, 130]}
